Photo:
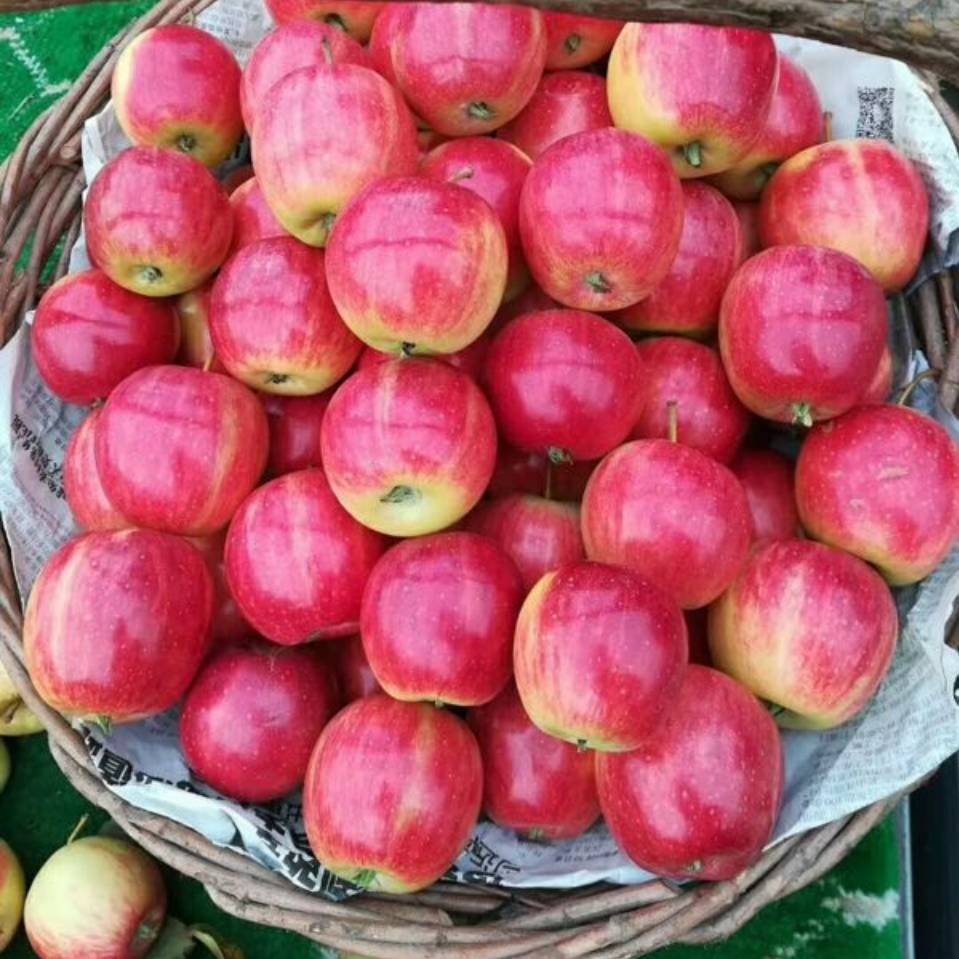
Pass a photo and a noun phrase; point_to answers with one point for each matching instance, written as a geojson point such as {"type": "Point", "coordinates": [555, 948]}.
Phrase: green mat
{"type": "Point", "coordinates": [853, 912]}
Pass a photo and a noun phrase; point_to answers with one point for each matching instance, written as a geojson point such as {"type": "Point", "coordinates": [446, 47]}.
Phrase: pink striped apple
{"type": "Point", "coordinates": [229, 624]}
{"type": "Point", "coordinates": [193, 315]}
{"type": "Point", "coordinates": [354, 17]}
{"type": "Point", "coordinates": [469, 360]}
{"type": "Point", "coordinates": [86, 497]}
{"type": "Point", "coordinates": [354, 678]}
{"type": "Point", "coordinates": [880, 386]}
{"type": "Point", "coordinates": [574, 41]}
{"type": "Point", "coordinates": [295, 423]}
{"type": "Point", "coordinates": [252, 219]}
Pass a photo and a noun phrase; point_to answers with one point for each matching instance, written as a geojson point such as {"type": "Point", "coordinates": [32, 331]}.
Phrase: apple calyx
{"type": "Point", "coordinates": [325, 227]}
{"type": "Point", "coordinates": [186, 143]}
{"type": "Point", "coordinates": [581, 745]}
{"type": "Point", "coordinates": [401, 495]}
{"type": "Point", "coordinates": [696, 866]}
{"type": "Point", "coordinates": [802, 414]}
{"type": "Point", "coordinates": [693, 153]}
{"type": "Point", "coordinates": [598, 282]}
{"type": "Point", "coordinates": [104, 724]}
{"type": "Point", "coordinates": [150, 274]}
{"type": "Point", "coordinates": [478, 110]}
{"type": "Point", "coordinates": [335, 20]}
{"type": "Point", "coordinates": [559, 456]}
{"type": "Point", "coordinates": [275, 378]}
{"type": "Point", "coordinates": [572, 42]}
{"type": "Point", "coordinates": [407, 349]}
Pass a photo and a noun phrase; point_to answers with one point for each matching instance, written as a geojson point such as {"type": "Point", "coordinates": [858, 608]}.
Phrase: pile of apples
{"type": "Point", "coordinates": [372, 442]}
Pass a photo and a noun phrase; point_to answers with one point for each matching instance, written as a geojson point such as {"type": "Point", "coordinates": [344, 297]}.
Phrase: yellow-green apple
{"type": "Point", "coordinates": [537, 534]}
{"type": "Point", "coordinates": [683, 388]}
{"type": "Point", "coordinates": [882, 483]}
{"type": "Point", "coordinates": [599, 655]}
{"type": "Point", "coordinates": [295, 423]}
{"type": "Point", "coordinates": [767, 477]}
{"type": "Point", "coordinates": [178, 87]}
{"type": "Point", "coordinates": [668, 806]}
{"type": "Point", "coordinates": [454, 643]}
{"type": "Point", "coordinates": [862, 197]}
{"type": "Point", "coordinates": [807, 627]}
{"type": "Point", "coordinates": [15, 718]}
{"type": "Point", "coordinates": [179, 449]}
{"type": "Point", "coordinates": [229, 624]}
{"type": "Point", "coordinates": [686, 301]}
{"type": "Point", "coordinates": [117, 625]}
{"type": "Point", "coordinates": [573, 41]}
{"type": "Point", "coordinates": [252, 219]}
{"type": "Point", "coordinates": [563, 382]}
{"type": "Point", "coordinates": [292, 46]}
{"type": "Point", "coordinates": [537, 785]}
{"type": "Point", "coordinates": [795, 121]}
{"type": "Point", "coordinates": [409, 446]}
{"type": "Point", "coordinates": [563, 103]}
{"type": "Point", "coordinates": [702, 93]}
{"type": "Point", "coordinates": [252, 718]}
{"type": "Point", "coordinates": [748, 214]}
{"type": "Point", "coordinates": [318, 597]}
{"type": "Point", "coordinates": [801, 331]}
{"type": "Point", "coordinates": [193, 314]}
{"type": "Point", "coordinates": [89, 334]}
{"type": "Point", "coordinates": [355, 17]}
{"type": "Point", "coordinates": [467, 68]}
{"type": "Point", "coordinates": [392, 793]}
{"type": "Point", "coordinates": [520, 471]}
{"type": "Point", "coordinates": [273, 323]}
{"type": "Point", "coordinates": [469, 360]}
{"type": "Point", "coordinates": [627, 206]}
{"type": "Point", "coordinates": [157, 222]}
{"type": "Point", "coordinates": [86, 497]}
{"type": "Point", "coordinates": [324, 133]}
{"type": "Point", "coordinates": [12, 892]}
{"type": "Point", "coordinates": [96, 896]}
{"type": "Point", "coordinates": [354, 678]}
{"type": "Point", "coordinates": [432, 281]}
{"type": "Point", "coordinates": [880, 386]}
{"type": "Point", "coordinates": [671, 514]}
{"type": "Point", "coordinates": [495, 171]}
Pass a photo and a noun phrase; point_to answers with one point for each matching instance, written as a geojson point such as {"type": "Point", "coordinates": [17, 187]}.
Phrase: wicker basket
{"type": "Point", "coordinates": [40, 190]}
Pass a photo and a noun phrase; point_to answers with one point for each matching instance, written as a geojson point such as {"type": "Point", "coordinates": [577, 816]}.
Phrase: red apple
{"type": "Point", "coordinates": [354, 678]}
{"type": "Point", "coordinates": [564, 103]}
{"type": "Point", "coordinates": [801, 331]}
{"type": "Point", "coordinates": [667, 804]}
{"type": "Point", "coordinates": [809, 628]}
{"type": "Point", "coordinates": [96, 896]}
{"type": "Point", "coordinates": [519, 471]}
{"type": "Point", "coordinates": [702, 93]}
{"type": "Point", "coordinates": [229, 624]}
{"type": "Point", "coordinates": [88, 501]}
{"type": "Point", "coordinates": [574, 41]}
{"type": "Point", "coordinates": [252, 219]}
{"type": "Point", "coordinates": [767, 478]}
{"type": "Point", "coordinates": [252, 718]}
{"type": "Point", "coordinates": [438, 617]}
{"type": "Point", "coordinates": [495, 171]}
{"type": "Point", "coordinates": [295, 423]}
{"type": "Point", "coordinates": [355, 17]}
{"type": "Point", "coordinates": [178, 87]}
{"type": "Point", "coordinates": [541, 787]}
{"type": "Point", "coordinates": [392, 793]}
{"type": "Point", "coordinates": [795, 121]}
{"type": "Point", "coordinates": [687, 299]}
{"type": "Point", "coordinates": [117, 625]}
{"type": "Point", "coordinates": [862, 197]}
{"type": "Point", "coordinates": [157, 222]}
{"type": "Point", "coordinates": [273, 323]}
{"type": "Point", "coordinates": [672, 515]}
{"type": "Point", "coordinates": [193, 315]}
{"type": "Point", "coordinates": [564, 383]}
{"type": "Point", "coordinates": [382, 36]}
{"type": "Point", "coordinates": [322, 134]}
{"type": "Point", "coordinates": [432, 281]}
{"type": "Point", "coordinates": [408, 446]}
{"type": "Point", "coordinates": [467, 68]}
{"type": "Point", "coordinates": [316, 596]}
{"type": "Point", "coordinates": [880, 386]}
{"type": "Point", "coordinates": [682, 385]}
{"type": "Point", "coordinates": [89, 334]}
{"type": "Point", "coordinates": [601, 216]}
{"type": "Point", "coordinates": [599, 654]}
{"type": "Point", "coordinates": [469, 360]}
{"type": "Point", "coordinates": [179, 449]}
{"type": "Point", "coordinates": [748, 214]}
{"type": "Point", "coordinates": [537, 534]}
{"type": "Point", "coordinates": [882, 482]}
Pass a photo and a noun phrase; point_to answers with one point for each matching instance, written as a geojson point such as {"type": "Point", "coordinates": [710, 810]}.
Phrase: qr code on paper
{"type": "Point", "coordinates": [875, 113]}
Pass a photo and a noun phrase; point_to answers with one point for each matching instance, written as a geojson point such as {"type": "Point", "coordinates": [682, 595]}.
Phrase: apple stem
{"type": "Point", "coordinates": [536, 834]}
{"type": "Point", "coordinates": [910, 387]}
{"type": "Point", "coordinates": [9, 709]}
{"type": "Point", "coordinates": [559, 456]}
{"type": "Point", "coordinates": [802, 414]}
{"type": "Point", "coordinates": [465, 174]}
{"type": "Point", "coordinates": [327, 51]}
{"type": "Point", "coordinates": [478, 110]}
{"type": "Point", "coordinates": [186, 143]}
{"type": "Point", "coordinates": [208, 363]}
{"type": "Point", "coordinates": [572, 43]}
{"type": "Point", "coordinates": [598, 282]}
{"type": "Point", "coordinates": [407, 349]}
{"type": "Point", "coordinates": [335, 20]}
{"type": "Point", "coordinates": [672, 421]}
{"type": "Point", "coordinates": [693, 154]}
{"type": "Point", "coordinates": [827, 126]}
{"type": "Point", "coordinates": [439, 704]}
{"type": "Point", "coordinates": [78, 828]}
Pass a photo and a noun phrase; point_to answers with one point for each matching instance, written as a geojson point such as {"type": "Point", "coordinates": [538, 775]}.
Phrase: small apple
{"type": "Point", "coordinates": [687, 300]}
{"type": "Point", "coordinates": [179, 449]}
{"type": "Point", "coordinates": [178, 87]}
{"type": "Point", "coordinates": [252, 218]}
{"type": "Point", "coordinates": [801, 331]}
{"type": "Point", "coordinates": [408, 446]}
{"type": "Point", "coordinates": [767, 478]}
{"type": "Point", "coordinates": [88, 501]}
{"type": "Point", "coordinates": [702, 93]}
{"type": "Point", "coordinates": [599, 654]}
{"type": "Point", "coordinates": [354, 17]}
{"type": "Point", "coordinates": [117, 625]}
{"type": "Point", "coordinates": [880, 386]}
{"type": "Point", "coordinates": [564, 103]}
{"type": "Point", "coordinates": [193, 315]}
{"type": "Point", "coordinates": [574, 41]}
{"type": "Point", "coordinates": [541, 787]}
{"type": "Point", "coordinates": [469, 360]}
{"type": "Point", "coordinates": [699, 798]}
{"type": "Point", "coordinates": [89, 334]}
{"type": "Point", "coordinates": [317, 596]}
{"type": "Point", "coordinates": [295, 423]}
{"type": "Point", "coordinates": [95, 896]}
{"type": "Point", "coordinates": [157, 222]}
{"type": "Point", "coordinates": [392, 793]}
{"type": "Point", "coordinates": [807, 627]}
{"type": "Point", "coordinates": [229, 624]}
{"type": "Point", "coordinates": [563, 382]}
{"type": "Point", "coordinates": [670, 514]}
{"type": "Point", "coordinates": [12, 892]}
{"type": "Point", "coordinates": [862, 197]}
{"type": "Point", "coordinates": [601, 216]}
{"type": "Point", "coordinates": [252, 718]}
{"type": "Point", "coordinates": [354, 678]}
{"type": "Point", "coordinates": [748, 214]}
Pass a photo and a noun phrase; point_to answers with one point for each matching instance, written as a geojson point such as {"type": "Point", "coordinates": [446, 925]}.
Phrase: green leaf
{"type": "Point", "coordinates": [174, 941]}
